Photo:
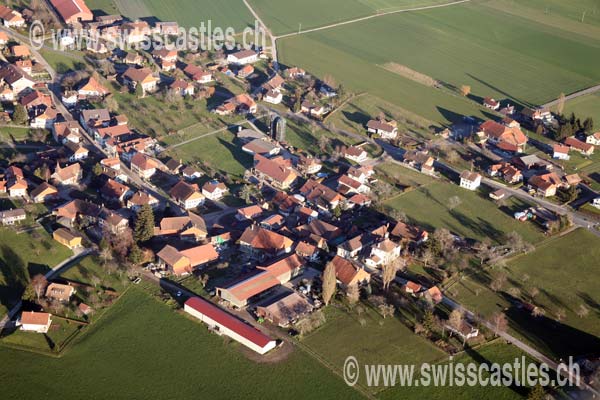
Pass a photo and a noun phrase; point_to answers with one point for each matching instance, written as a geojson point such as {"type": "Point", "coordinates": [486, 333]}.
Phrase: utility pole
{"type": "Point", "coordinates": [300, 28]}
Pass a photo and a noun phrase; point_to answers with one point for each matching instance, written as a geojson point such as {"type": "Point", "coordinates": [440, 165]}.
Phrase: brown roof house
{"type": "Point", "coordinates": [141, 76]}
{"type": "Point", "coordinates": [275, 171]}
{"type": "Point", "coordinates": [68, 175]}
{"type": "Point", "coordinates": [31, 321]}
{"type": "Point", "coordinates": [67, 238]}
{"type": "Point", "coordinates": [347, 273]}
{"type": "Point", "coordinates": [261, 243]}
{"type": "Point", "coordinates": [187, 195]}
{"type": "Point", "coordinates": [60, 292]}
{"type": "Point", "coordinates": [184, 262]}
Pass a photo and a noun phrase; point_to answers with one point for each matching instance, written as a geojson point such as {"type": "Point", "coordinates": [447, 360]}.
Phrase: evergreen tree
{"type": "Point", "coordinates": [97, 170]}
{"type": "Point", "coordinates": [144, 224]}
{"type": "Point", "coordinates": [135, 255]}
{"type": "Point", "coordinates": [537, 393]}
{"type": "Point", "coordinates": [20, 115]}
{"type": "Point", "coordinates": [588, 125]}
{"type": "Point", "coordinates": [29, 293]}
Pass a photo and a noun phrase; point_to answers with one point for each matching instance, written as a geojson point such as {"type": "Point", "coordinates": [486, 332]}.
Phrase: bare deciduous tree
{"type": "Point", "coordinates": [499, 322]}
{"type": "Point", "coordinates": [353, 293]}
{"type": "Point", "coordinates": [329, 283]}
{"type": "Point", "coordinates": [39, 284]}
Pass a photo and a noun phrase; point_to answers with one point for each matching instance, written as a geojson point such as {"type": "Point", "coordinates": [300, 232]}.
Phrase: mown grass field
{"type": "Point", "coordinates": [562, 269]}
{"type": "Point", "coordinates": [217, 151]}
{"type": "Point", "coordinates": [286, 16]}
{"type": "Point", "coordinates": [378, 341]}
{"type": "Point", "coordinates": [498, 54]}
{"type": "Point", "coordinates": [488, 354]}
{"type": "Point", "coordinates": [22, 256]}
{"type": "Point", "coordinates": [354, 115]}
{"type": "Point", "coordinates": [142, 349]}
{"type": "Point", "coordinates": [585, 106]}
{"type": "Point", "coordinates": [190, 13]}
{"type": "Point", "coordinates": [476, 217]}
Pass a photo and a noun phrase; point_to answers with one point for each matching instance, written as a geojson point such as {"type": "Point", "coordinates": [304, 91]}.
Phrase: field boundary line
{"type": "Point", "coordinates": [351, 21]}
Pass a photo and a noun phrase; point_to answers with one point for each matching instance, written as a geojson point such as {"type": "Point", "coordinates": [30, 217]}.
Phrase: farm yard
{"type": "Point", "coordinates": [150, 344]}
{"type": "Point", "coordinates": [474, 217]}
{"type": "Point", "coordinates": [470, 44]}
{"type": "Point", "coordinates": [560, 273]}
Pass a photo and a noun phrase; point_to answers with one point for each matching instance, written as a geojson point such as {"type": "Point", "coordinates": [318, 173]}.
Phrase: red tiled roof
{"type": "Point", "coordinates": [229, 321]}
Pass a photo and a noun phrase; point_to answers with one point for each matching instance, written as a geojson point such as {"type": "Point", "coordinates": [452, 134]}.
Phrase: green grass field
{"type": "Point", "coordinates": [190, 13]}
{"type": "Point", "coordinates": [476, 217]}
{"type": "Point", "coordinates": [286, 16]}
{"type": "Point", "coordinates": [218, 151]}
{"type": "Point", "coordinates": [585, 106]}
{"type": "Point", "coordinates": [378, 341]}
{"type": "Point", "coordinates": [23, 256]}
{"type": "Point", "coordinates": [493, 353]}
{"type": "Point", "coordinates": [561, 269]}
{"type": "Point", "coordinates": [14, 134]}
{"type": "Point", "coordinates": [496, 53]}
{"type": "Point", "coordinates": [141, 349]}
{"type": "Point", "coordinates": [355, 114]}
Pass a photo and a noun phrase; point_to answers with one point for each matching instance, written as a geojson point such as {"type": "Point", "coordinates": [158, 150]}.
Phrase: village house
{"type": "Point", "coordinates": [143, 165]}
{"type": "Point", "coordinates": [245, 71]}
{"type": "Point", "coordinates": [242, 57]}
{"type": "Point", "coordinates": [593, 139]}
{"type": "Point", "coordinates": [198, 74]}
{"type": "Point", "coordinates": [67, 238]}
{"type": "Point", "coordinates": [140, 76]}
{"type": "Point", "coordinates": [347, 185]}
{"type": "Point", "coordinates": [75, 210]}
{"type": "Point", "coordinates": [187, 195]}
{"type": "Point", "coordinates": [72, 11]}
{"type": "Point", "coordinates": [249, 213]}
{"type": "Point", "coordinates": [544, 185]}
{"type": "Point", "coordinates": [134, 32]}
{"type": "Point", "coordinates": [307, 251]}
{"type": "Point", "coordinates": [59, 292]}
{"type": "Point", "coordinates": [190, 173]}
{"type": "Point", "coordinates": [182, 88]}
{"type": "Point", "coordinates": [470, 180]}
{"type": "Point", "coordinates": [262, 147]}
{"type": "Point", "coordinates": [140, 199]}
{"type": "Point", "coordinates": [11, 18]}
{"type": "Point", "coordinates": [43, 193]}
{"type": "Point", "coordinates": [38, 322]}
{"type": "Point", "coordinates": [214, 190]}
{"type": "Point", "coordinates": [490, 103]}
{"type": "Point", "coordinates": [577, 145]}
{"type": "Point", "coordinates": [273, 97]}
{"type": "Point", "coordinates": [356, 154]}
{"type": "Point", "coordinates": [383, 253]}
{"type": "Point", "coordinates": [226, 324]}
{"type": "Point", "coordinates": [75, 151]}
{"type": "Point", "coordinates": [420, 160]}
{"type": "Point", "coordinates": [263, 278]}
{"type": "Point", "coordinates": [115, 191]}
{"type": "Point", "coordinates": [347, 273]}
{"type": "Point", "coordinates": [66, 131]}
{"type": "Point", "coordinates": [261, 243]}
{"type": "Point", "coordinates": [385, 129]}
{"type": "Point", "coordinates": [509, 138]}
{"type": "Point", "coordinates": [190, 227]}
{"type": "Point", "coordinates": [167, 28]}
{"type": "Point", "coordinates": [68, 175]}
{"type": "Point", "coordinates": [94, 118]}
{"type": "Point", "coordinates": [20, 51]}
{"type": "Point", "coordinates": [295, 73]}
{"type": "Point", "coordinates": [286, 203]}
{"type": "Point", "coordinates": [184, 262]}
{"type": "Point", "coordinates": [308, 165]}
{"type": "Point", "coordinates": [409, 233]}
{"type": "Point", "coordinates": [284, 310]}
{"type": "Point", "coordinates": [412, 288]}
{"type": "Point", "coordinates": [273, 222]}
{"type": "Point", "coordinates": [361, 174]}
{"type": "Point", "coordinates": [110, 221]}
{"type": "Point", "coordinates": [92, 88]}
{"type": "Point", "coordinates": [11, 217]}
{"type": "Point", "coordinates": [560, 152]}
{"type": "Point", "coordinates": [17, 187]}
{"type": "Point", "coordinates": [277, 172]}
{"type": "Point", "coordinates": [314, 110]}
{"type": "Point", "coordinates": [321, 196]}
{"type": "Point", "coordinates": [17, 79]}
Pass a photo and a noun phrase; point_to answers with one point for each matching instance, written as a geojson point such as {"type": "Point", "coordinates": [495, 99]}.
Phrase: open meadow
{"type": "Point", "coordinates": [145, 350]}
{"type": "Point", "coordinates": [23, 256]}
{"type": "Point", "coordinates": [289, 16]}
{"type": "Point", "coordinates": [481, 45]}
{"type": "Point", "coordinates": [474, 217]}
{"type": "Point", "coordinates": [560, 270]}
